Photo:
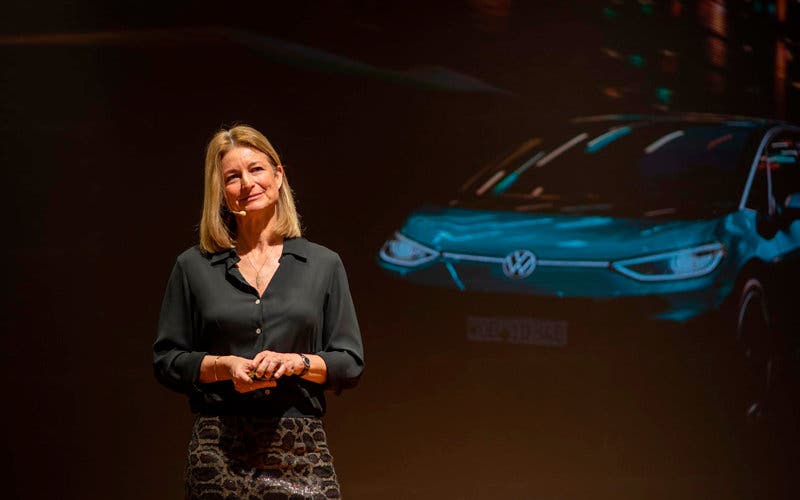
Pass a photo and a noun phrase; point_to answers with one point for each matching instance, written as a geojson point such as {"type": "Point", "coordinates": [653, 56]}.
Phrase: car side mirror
{"type": "Point", "coordinates": [791, 206]}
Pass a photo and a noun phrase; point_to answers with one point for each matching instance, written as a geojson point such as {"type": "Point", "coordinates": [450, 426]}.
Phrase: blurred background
{"type": "Point", "coordinates": [376, 108]}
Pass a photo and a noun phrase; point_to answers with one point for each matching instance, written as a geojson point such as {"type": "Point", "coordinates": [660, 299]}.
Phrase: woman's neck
{"type": "Point", "coordinates": [256, 230]}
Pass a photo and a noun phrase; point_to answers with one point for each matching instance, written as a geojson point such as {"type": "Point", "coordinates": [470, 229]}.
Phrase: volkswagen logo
{"type": "Point", "coordinates": [519, 264]}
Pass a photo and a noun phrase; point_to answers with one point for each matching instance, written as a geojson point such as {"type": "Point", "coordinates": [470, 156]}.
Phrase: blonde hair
{"type": "Point", "coordinates": [217, 224]}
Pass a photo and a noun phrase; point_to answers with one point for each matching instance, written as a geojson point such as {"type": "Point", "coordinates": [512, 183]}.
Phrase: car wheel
{"type": "Point", "coordinates": [758, 345]}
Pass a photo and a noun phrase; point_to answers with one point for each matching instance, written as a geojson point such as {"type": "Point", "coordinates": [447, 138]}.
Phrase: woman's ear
{"type": "Point", "coordinates": [279, 175]}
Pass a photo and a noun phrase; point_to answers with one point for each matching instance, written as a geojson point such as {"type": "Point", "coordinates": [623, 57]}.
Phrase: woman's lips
{"type": "Point", "coordinates": [251, 198]}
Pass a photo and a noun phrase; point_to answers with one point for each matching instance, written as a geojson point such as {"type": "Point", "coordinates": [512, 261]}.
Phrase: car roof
{"type": "Point", "coordinates": [710, 118]}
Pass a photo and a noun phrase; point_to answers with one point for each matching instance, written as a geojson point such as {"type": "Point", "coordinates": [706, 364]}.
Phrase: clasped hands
{"type": "Point", "coordinates": [263, 371]}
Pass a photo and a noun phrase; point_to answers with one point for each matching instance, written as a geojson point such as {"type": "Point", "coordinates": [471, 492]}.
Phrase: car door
{"type": "Point", "coordinates": [777, 177]}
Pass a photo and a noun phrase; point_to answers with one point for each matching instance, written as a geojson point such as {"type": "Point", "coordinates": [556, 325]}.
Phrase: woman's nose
{"type": "Point", "coordinates": [247, 180]}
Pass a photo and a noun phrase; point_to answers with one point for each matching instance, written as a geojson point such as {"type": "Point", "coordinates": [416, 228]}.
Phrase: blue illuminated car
{"type": "Point", "coordinates": [692, 211]}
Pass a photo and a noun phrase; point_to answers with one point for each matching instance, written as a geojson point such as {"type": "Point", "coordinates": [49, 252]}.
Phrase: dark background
{"type": "Point", "coordinates": [375, 109]}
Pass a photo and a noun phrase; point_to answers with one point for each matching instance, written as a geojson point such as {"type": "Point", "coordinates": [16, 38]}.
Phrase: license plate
{"type": "Point", "coordinates": [517, 330]}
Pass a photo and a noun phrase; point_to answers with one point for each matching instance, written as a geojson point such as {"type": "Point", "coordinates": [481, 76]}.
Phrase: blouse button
{"type": "Point", "coordinates": [258, 330]}
{"type": "Point", "coordinates": [258, 301]}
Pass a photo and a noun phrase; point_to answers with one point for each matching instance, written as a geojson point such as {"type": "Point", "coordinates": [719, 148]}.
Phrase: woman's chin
{"type": "Point", "coordinates": [257, 207]}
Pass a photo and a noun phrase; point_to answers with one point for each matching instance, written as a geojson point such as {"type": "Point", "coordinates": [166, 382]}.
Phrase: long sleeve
{"type": "Point", "coordinates": [342, 348]}
{"type": "Point", "coordinates": [175, 363]}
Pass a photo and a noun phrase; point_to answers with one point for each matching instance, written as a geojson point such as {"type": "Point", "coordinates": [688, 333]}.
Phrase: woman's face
{"type": "Point", "coordinates": [251, 182]}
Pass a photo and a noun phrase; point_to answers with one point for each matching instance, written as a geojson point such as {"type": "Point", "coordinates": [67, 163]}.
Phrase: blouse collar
{"type": "Point", "coordinates": [295, 246]}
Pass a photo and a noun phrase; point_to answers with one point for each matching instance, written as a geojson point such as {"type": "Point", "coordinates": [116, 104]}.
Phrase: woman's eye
{"type": "Point", "coordinates": [231, 178]}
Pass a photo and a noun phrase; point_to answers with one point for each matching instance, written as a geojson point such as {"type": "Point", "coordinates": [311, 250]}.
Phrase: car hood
{"type": "Point", "coordinates": [552, 236]}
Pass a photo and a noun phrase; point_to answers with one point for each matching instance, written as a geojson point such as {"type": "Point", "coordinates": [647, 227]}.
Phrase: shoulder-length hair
{"type": "Point", "coordinates": [217, 224]}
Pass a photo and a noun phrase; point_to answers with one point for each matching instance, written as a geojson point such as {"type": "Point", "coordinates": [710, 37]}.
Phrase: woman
{"type": "Point", "coordinates": [256, 322]}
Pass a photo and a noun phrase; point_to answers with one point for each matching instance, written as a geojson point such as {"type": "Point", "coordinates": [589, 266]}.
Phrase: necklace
{"type": "Point", "coordinates": [272, 252]}
{"type": "Point", "coordinates": [257, 270]}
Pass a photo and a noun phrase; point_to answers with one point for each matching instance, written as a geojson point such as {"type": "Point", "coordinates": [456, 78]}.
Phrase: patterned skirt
{"type": "Point", "coordinates": [246, 457]}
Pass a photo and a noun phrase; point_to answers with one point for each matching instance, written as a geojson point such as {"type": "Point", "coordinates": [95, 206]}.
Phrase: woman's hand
{"type": "Point", "coordinates": [274, 365]}
{"type": "Point", "coordinates": [240, 370]}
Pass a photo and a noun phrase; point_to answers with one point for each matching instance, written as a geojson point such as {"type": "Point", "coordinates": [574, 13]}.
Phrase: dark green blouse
{"type": "Point", "coordinates": [209, 308]}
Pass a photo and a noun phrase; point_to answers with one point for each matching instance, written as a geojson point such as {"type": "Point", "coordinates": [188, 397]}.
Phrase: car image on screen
{"type": "Point", "coordinates": [677, 216]}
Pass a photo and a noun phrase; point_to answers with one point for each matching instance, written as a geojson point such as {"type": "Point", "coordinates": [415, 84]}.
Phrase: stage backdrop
{"type": "Point", "coordinates": [548, 263]}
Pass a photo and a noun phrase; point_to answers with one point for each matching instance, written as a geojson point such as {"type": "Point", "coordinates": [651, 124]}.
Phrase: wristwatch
{"type": "Point", "coordinates": [306, 364]}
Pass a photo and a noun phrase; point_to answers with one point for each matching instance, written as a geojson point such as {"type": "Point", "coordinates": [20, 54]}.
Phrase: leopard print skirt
{"type": "Point", "coordinates": [246, 457]}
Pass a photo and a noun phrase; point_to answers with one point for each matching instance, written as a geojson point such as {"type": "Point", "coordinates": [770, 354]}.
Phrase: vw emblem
{"type": "Point", "coordinates": [519, 264]}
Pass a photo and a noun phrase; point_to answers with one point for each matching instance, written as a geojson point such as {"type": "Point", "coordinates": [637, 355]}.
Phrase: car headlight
{"type": "Point", "coordinates": [677, 265]}
{"type": "Point", "coordinates": [404, 251]}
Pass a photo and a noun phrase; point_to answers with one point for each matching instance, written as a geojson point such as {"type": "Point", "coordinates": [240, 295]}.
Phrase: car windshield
{"type": "Point", "coordinates": [642, 168]}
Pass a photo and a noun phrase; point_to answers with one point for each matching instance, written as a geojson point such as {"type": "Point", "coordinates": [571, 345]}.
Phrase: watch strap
{"type": "Point", "coordinates": [306, 364]}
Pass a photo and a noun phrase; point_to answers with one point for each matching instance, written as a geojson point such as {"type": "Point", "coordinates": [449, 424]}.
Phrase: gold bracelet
{"type": "Point", "coordinates": [215, 369]}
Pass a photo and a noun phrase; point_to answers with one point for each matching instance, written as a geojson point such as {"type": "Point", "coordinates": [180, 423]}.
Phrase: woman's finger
{"type": "Point", "coordinates": [272, 365]}
{"type": "Point", "coordinates": [260, 357]}
{"type": "Point", "coordinates": [242, 374]}
{"type": "Point", "coordinates": [261, 384]}
{"type": "Point", "coordinates": [244, 366]}
{"type": "Point", "coordinates": [261, 367]}
{"type": "Point", "coordinates": [243, 387]}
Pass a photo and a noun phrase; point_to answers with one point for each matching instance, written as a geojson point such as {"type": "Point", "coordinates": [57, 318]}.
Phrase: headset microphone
{"type": "Point", "coordinates": [240, 212]}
